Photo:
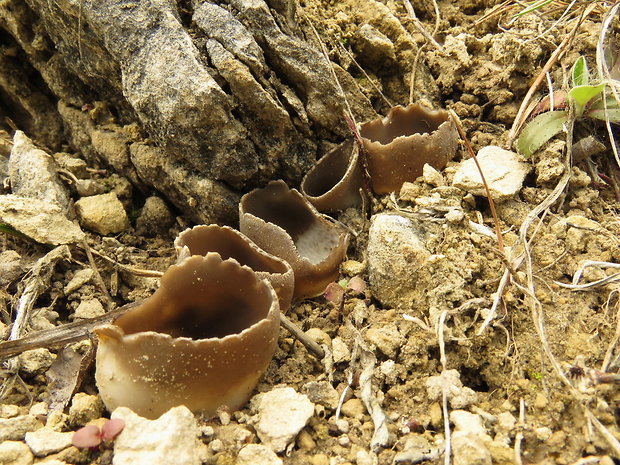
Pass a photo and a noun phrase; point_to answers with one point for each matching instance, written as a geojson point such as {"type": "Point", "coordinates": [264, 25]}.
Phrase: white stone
{"type": "Point", "coordinates": [470, 449]}
{"type": "Point", "coordinates": [89, 308]}
{"type": "Point", "coordinates": [467, 422]}
{"type": "Point", "coordinates": [503, 171]}
{"type": "Point", "coordinates": [282, 413]}
{"type": "Point", "coordinates": [46, 441]}
{"type": "Point", "coordinates": [432, 176]}
{"type": "Point", "coordinates": [43, 221]}
{"type": "Point", "coordinates": [459, 396]}
{"type": "Point", "coordinates": [340, 351]}
{"type": "Point", "coordinates": [172, 438]}
{"type": "Point", "coordinates": [15, 453]}
{"type": "Point", "coordinates": [396, 255]}
{"type": "Point", "coordinates": [103, 213]}
{"type": "Point", "coordinates": [255, 454]}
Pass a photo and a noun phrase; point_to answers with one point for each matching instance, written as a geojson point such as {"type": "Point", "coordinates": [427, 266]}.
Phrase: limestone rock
{"type": "Point", "coordinates": [43, 221]}
{"type": "Point", "coordinates": [255, 454]}
{"type": "Point", "coordinates": [459, 396]}
{"type": "Point", "coordinates": [373, 48]}
{"type": "Point", "coordinates": [84, 408]}
{"type": "Point", "coordinates": [322, 393]}
{"type": "Point", "coordinates": [89, 308]}
{"type": "Point", "coordinates": [33, 173]}
{"type": "Point", "coordinates": [35, 361]}
{"type": "Point", "coordinates": [11, 267]}
{"type": "Point", "coordinates": [503, 170]}
{"type": "Point", "coordinates": [172, 438]}
{"type": "Point", "coordinates": [103, 214]}
{"type": "Point", "coordinates": [469, 441]}
{"type": "Point", "coordinates": [46, 441]}
{"type": "Point", "coordinates": [80, 278]}
{"type": "Point", "coordinates": [282, 413]}
{"type": "Point", "coordinates": [386, 338]}
{"type": "Point", "coordinates": [395, 255]}
{"type": "Point", "coordinates": [15, 453]}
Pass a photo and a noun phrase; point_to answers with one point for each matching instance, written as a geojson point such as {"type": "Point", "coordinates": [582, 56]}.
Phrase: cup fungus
{"type": "Point", "coordinates": [203, 339]}
{"type": "Point", "coordinates": [282, 222]}
{"type": "Point", "coordinates": [400, 144]}
{"type": "Point", "coordinates": [230, 243]}
{"type": "Point", "coordinates": [334, 181]}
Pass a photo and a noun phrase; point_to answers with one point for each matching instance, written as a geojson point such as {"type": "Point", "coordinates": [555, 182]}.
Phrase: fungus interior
{"type": "Point", "coordinates": [402, 121]}
{"type": "Point", "coordinates": [198, 302]}
{"type": "Point", "coordinates": [329, 170]}
{"type": "Point", "coordinates": [229, 245]}
{"type": "Point", "coordinates": [276, 204]}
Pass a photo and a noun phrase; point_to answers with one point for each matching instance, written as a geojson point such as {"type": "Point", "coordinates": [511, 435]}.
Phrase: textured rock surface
{"type": "Point", "coordinates": [43, 221]}
{"type": "Point", "coordinates": [46, 441]}
{"type": "Point", "coordinates": [395, 254]}
{"type": "Point", "coordinates": [33, 173]}
{"type": "Point", "coordinates": [14, 429]}
{"type": "Point", "coordinates": [15, 453]}
{"type": "Point", "coordinates": [172, 438]}
{"type": "Point", "coordinates": [255, 454]}
{"type": "Point", "coordinates": [103, 213]}
{"type": "Point", "coordinates": [503, 171]}
{"type": "Point", "coordinates": [282, 413]}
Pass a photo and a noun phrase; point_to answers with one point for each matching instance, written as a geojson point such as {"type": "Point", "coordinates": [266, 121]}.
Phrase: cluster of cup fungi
{"type": "Point", "coordinates": [208, 333]}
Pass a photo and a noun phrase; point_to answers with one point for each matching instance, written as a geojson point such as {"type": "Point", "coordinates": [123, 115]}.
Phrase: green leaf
{"type": "Point", "coordinates": [600, 104]}
{"type": "Point", "coordinates": [612, 114]}
{"type": "Point", "coordinates": [538, 131]}
{"type": "Point", "coordinates": [583, 94]}
{"type": "Point", "coordinates": [533, 7]}
{"type": "Point", "coordinates": [580, 73]}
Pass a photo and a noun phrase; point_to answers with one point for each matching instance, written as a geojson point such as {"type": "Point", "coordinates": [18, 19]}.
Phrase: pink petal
{"type": "Point", "coordinates": [112, 428]}
{"type": "Point", "coordinates": [334, 293]}
{"type": "Point", "coordinates": [88, 436]}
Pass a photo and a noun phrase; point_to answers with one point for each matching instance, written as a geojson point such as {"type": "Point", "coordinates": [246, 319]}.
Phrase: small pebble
{"type": "Point", "coordinates": [46, 441]}
{"type": "Point", "coordinates": [36, 361]}
{"type": "Point", "coordinates": [216, 446]}
{"type": "Point", "coordinates": [255, 454]}
{"type": "Point", "coordinates": [103, 214]}
{"type": "Point", "coordinates": [305, 441]}
{"type": "Point", "coordinates": [85, 408]}
{"type": "Point", "coordinates": [342, 425]}
{"type": "Point", "coordinates": [89, 308]}
{"type": "Point", "coordinates": [353, 408]}
{"type": "Point", "coordinates": [15, 453]}
{"type": "Point", "coordinates": [344, 440]}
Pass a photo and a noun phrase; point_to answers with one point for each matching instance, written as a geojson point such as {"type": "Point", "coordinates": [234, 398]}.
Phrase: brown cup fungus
{"type": "Point", "coordinates": [334, 181]}
{"type": "Point", "coordinates": [400, 144]}
{"type": "Point", "coordinates": [282, 222]}
{"type": "Point", "coordinates": [230, 243]}
{"type": "Point", "coordinates": [202, 340]}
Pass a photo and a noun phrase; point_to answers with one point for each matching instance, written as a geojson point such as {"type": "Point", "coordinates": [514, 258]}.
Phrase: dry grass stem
{"type": "Point", "coordinates": [106, 294]}
{"type": "Point", "coordinates": [519, 435]}
{"type": "Point", "coordinates": [446, 427]}
{"type": "Point", "coordinates": [420, 27]}
{"type": "Point", "coordinates": [312, 346]}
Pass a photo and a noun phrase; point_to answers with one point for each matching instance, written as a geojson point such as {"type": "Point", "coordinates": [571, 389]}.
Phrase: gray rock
{"type": "Point", "coordinates": [373, 48]}
{"type": "Point", "coordinates": [155, 218]}
{"type": "Point", "coordinates": [43, 221]}
{"type": "Point", "coordinates": [80, 278]}
{"type": "Point", "coordinates": [11, 267]}
{"type": "Point", "coordinates": [15, 428]}
{"type": "Point", "coordinates": [15, 453]}
{"type": "Point", "coordinates": [255, 454]}
{"type": "Point", "coordinates": [322, 393]}
{"type": "Point", "coordinates": [470, 441]}
{"type": "Point", "coordinates": [395, 254]}
{"type": "Point", "coordinates": [46, 441]}
{"type": "Point", "coordinates": [172, 438]}
{"type": "Point", "coordinates": [74, 165]}
{"type": "Point", "coordinates": [282, 413]}
{"type": "Point", "coordinates": [33, 173]}
{"type": "Point", "coordinates": [103, 214]}
{"type": "Point", "coordinates": [503, 171]}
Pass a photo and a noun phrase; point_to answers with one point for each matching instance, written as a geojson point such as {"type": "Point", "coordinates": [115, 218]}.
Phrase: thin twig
{"type": "Point", "coordinates": [104, 289]}
{"type": "Point", "coordinates": [446, 427]}
{"type": "Point", "coordinates": [519, 435]}
{"type": "Point", "coordinates": [420, 27]}
{"type": "Point", "coordinates": [313, 347]}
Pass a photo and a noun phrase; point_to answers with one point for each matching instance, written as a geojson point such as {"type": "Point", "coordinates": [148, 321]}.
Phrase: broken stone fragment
{"type": "Point", "coordinates": [255, 454]}
{"type": "Point", "coordinates": [103, 214]}
{"type": "Point", "coordinates": [282, 413]}
{"type": "Point", "coordinates": [15, 453]}
{"type": "Point", "coordinates": [503, 171]}
{"type": "Point", "coordinates": [33, 173]}
{"type": "Point", "coordinates": [46, 441]}
{"type": "Point", "coordinates": [40, 220]}
{"type": "Point", "coordinates": [172, 438]}
{"type": "Point", "coordinates": [14, 429]}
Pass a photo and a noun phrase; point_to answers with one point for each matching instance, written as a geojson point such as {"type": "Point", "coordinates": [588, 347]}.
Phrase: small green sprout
{"type": "Point", "coordinates": [586, 99]}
